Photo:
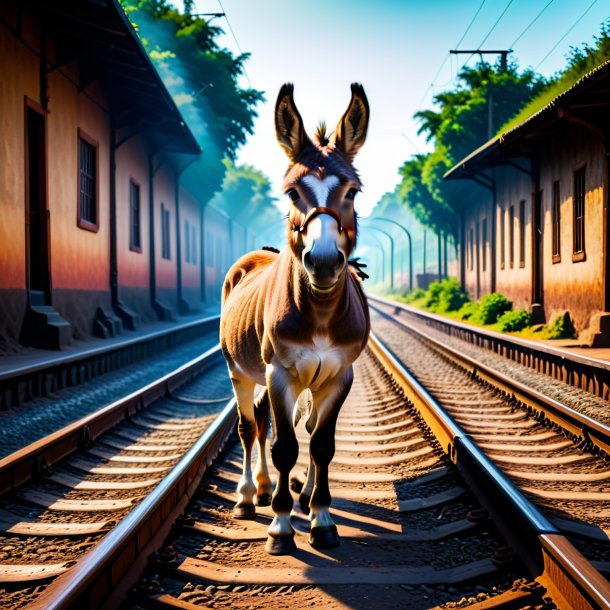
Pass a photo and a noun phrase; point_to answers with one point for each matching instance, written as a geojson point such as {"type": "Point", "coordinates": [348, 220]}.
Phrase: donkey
{"type": "Point", "coordinates": [295, 321]}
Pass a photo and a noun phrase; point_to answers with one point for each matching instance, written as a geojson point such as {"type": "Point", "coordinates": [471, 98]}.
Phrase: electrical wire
{"type": "Point", "coordinates": [563, 37]}
{"type": "Point", "coordinates": [222, 8]}
{"type": "Point", "coordinates": [531, 23]}
{"type": "Point", "coordinates": [493, 27]}
{"type": "Point", "coordinates": [448, 55]}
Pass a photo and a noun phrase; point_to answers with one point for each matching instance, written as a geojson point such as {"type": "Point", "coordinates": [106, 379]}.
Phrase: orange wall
{"type": "Point", "coordinates": [79, 257]}
{"type": "Point", "coordinates": [132, 164]}
{"type": "Point", "coordinates": [20, 77]}
{"type": "Point", "coordinates": [164, 193]}
{"type": "Point", "coordinates": [575, 286]}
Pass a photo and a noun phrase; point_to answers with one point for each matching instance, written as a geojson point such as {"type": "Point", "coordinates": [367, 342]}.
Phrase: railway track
{"type": "Point", "coordinates": [52, 512]}
{"type": "Point", "coordinates": [557, 456]}
{"type": "Point", "coordinates": [425, 519]}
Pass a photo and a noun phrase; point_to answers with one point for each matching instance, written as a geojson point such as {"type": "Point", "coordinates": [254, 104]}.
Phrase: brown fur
{"type": "Point", "coordinates": [296, 320]}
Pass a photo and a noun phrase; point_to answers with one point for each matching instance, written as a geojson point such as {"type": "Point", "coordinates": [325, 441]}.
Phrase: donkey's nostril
{"type": "Point", "coordinates": [341, 258]}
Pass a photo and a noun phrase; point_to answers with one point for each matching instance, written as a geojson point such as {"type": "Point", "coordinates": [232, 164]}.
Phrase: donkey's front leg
{"type": "Point", "coordinates": [284, 454]}
{"type": "Point", "coordinates": [328, 401]}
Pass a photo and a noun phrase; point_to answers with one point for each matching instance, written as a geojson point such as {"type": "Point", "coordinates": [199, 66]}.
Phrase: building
{"type": "Point", "coordinates": [534, 211]}
{"type": "Point", "coordinates": [97, 231]}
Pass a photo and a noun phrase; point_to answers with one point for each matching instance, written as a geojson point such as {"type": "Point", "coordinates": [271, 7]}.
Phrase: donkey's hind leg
{"type": "Point", "coordinates": [261, 472]}
{"type": "Point", "coordinates": [246, 489]}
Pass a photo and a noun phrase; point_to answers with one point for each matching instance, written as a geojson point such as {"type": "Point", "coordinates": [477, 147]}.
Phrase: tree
{"type": "Point", "coordinates": [246, 197]}
{"type": "Point", "coordinates": [202, 78]}
{"type": "Point", "coordinates": [486, 96]}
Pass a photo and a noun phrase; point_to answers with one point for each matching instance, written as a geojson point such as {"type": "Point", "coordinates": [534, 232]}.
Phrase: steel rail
{"type": "Point", "coordinates": [550, 557]}
{"type": "Point", "coordinates": [579, 370]}
{"type": "Point", "coordinates": [22, 465]}
{"type": "Point", "coordinates": [590, 431]}
{"type": "Point", "coordinates": [102, 576]}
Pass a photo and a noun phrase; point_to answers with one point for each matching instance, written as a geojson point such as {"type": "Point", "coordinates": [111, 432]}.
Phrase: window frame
{"type": "Point", "coordinates": [511, 236]}
{"type": "Point", "coordinates": [166, 253]}
{"type": "Point", "coordinates": [556, 222]}
{"type": "Point", "coordinates": [522, 233]}
{"type": "Point", "coordinates": [81, 222]}
{"type": "Point", "coordinates": [579, 228]}
{"type": "Point", "coordinates": [132, 245]}
{"type": "Point", "coordinates": [484, 244]}
{"type": "Point", "coordinates": [502, 238]}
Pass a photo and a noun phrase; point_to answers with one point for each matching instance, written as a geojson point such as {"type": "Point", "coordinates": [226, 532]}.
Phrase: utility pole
{"type": "Point", "coordinates": [503, 53]}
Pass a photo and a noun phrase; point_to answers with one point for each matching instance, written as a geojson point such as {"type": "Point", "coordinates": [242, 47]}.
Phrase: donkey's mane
{"type": "Point", "coordinates": [321, 137]}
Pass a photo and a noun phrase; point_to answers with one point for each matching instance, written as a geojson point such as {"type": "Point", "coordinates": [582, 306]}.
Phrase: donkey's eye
{"type": "Point", "coordinates": [293, 194]}
{"type": "Point", "coordinates": [351, 194]}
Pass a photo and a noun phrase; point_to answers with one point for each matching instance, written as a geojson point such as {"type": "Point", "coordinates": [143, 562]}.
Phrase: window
{"type": "Point", "coordinates": [522, 233]}
{"type": "Point", "coordinates": [165, 245]}
{"type": "Point", "coordinates": [556, 220]}
{"type": "Point", "coordinates": [193, 246]}
{"type": "Point", "coordinates": [135, 242]}
{"type": "Point", "coordinates": [484, 243]}
{"type": "Point", "coordinates": [209, 250]}
{"type": "Point", "coordinates": [579, 215]}
{"type": "Point", "coordinates": [87, 182]}
{"type": "Point", "coordinates": [502, 239]}
{"type": "Point", "coordinates": [511, 236]}
{"type": "Point", "coordinates": [187, 242]}
{"type": "Point", "coordinates": [471, 248]}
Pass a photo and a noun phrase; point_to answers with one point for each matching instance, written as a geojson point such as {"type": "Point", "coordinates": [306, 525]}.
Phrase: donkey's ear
{"type": "Point", "coordinates": [288, 123]}
{"type": "Point", "coordinates": [351, 130]}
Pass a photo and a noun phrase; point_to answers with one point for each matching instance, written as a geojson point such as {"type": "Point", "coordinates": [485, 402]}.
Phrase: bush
{"type": "Point", "coordinates": [512, 321]}
{"type": "Point", "coordinates": [561, 327]}
{"type": "Point", "coordinates": [468, 311]}
{"type": "Point", "coordinates": [445, 295]}
{"type": "Point", "coordinates": [491, 307]}
{"type": "Point", "coordinates": [415, 295]}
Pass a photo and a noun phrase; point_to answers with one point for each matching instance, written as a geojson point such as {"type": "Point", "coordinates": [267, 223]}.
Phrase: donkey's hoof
{"type": "Point", "coordinates": [304, 500]}
{"type": "Point", "coordinates": [280, 545]}
{"type": "Point", "coordinates": [244, 511]}
{"type": "Point", "coordinates": [324, 537]}
{"type": "Point", "coordinates": [263, 500]}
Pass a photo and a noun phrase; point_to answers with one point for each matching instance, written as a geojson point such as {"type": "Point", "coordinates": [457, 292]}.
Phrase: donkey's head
{"type": "Point", "coordinates": [322, 183]}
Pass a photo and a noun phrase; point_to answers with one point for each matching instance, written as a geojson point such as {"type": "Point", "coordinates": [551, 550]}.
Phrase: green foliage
{"type": "Point", "coordinates": [468, 311]}
{"type": "Point", "coordinates": [460, 126]}
{"type": "Point", "coordinates": [415, 295]}
{"type": "Point", "coordinates": [580, 62]}
{"type": "Point", "coordinates": [445, 296]}
{"type": "Point", "coordinates": [512, 321]}
{"type": "Point", "coordinates": [246, 197]}
{"type": "Point", "coordinates": [202, 78]}
{"type": "Point", "coordinates": [561, 327]}
{"type": "Point", "coordinates": [491, 307]}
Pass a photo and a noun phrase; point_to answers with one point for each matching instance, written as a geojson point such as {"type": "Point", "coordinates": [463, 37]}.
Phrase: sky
{"type": "Point", "coordinates": [399, 51]}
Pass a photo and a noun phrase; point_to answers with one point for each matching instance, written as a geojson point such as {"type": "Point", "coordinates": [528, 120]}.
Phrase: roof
{"type": "Point", "coordinates": [555, 110]}
{"type": "Point", "coordinates": [98, 35]}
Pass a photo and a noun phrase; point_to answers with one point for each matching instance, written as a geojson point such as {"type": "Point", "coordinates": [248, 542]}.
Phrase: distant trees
{"type": "Point", "coordinates": [485, 98]}
{"type": "Point", "coordinates": [202, 78]}
{"type": "Point", "coordinates": [246, 197]}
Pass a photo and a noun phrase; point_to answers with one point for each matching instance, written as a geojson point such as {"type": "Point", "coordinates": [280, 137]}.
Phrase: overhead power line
{"type": "Point", "coordinates": [222, 8]}
{"type": "Point", "coordinates": [568, 31]}
{"type": "Point", "coordinates": [447, 56]}
{"type": "Point", "coordinates": [530, 24]}
{"type": "Point", "coordinates": [493, 27]}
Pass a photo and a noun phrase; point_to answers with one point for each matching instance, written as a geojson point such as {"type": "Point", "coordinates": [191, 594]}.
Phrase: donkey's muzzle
{"type": "Point", "coordinates": [322, 258]}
